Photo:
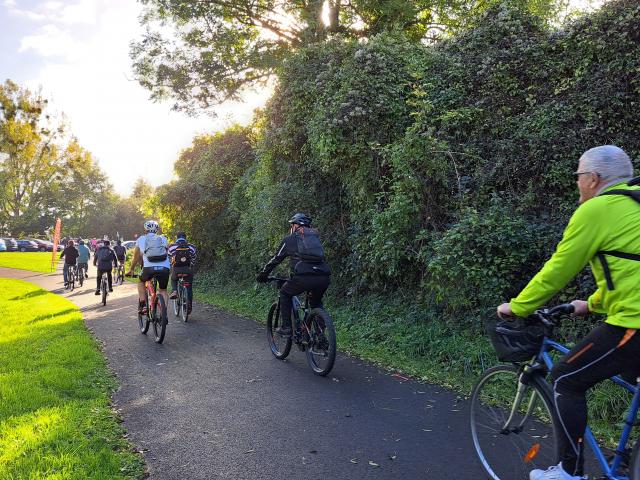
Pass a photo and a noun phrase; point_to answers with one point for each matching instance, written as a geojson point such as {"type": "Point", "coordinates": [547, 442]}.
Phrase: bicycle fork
{"type": "Point", "coordinates": [523, 388]}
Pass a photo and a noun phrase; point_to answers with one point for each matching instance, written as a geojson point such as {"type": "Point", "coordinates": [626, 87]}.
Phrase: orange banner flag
{"type": "Point", "coordinates": [56, 240]}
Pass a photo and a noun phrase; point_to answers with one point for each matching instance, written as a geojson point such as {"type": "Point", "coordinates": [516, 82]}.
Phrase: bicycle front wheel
{"type": "Point", "coordinates": [143, 320]}
{"type": "Point", "coordinates": [159, 316]}
{"type": "Point", "coordinates": [513, 425]}
{"type": "Point", "coordinates": [321, 352]}
{"type": "Point", "coordinates": [280, 346]}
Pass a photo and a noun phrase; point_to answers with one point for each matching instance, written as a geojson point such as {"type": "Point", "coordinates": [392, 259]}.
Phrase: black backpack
{"type": "Point", "coordinates": [182, 256]}
{"type": "Point", "coordinates": [310, 253]}
{"type": "Point", "coordinates": [309, 247]}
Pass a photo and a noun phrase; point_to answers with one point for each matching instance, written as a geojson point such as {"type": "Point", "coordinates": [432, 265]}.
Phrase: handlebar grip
{"type": "Point", "coordinates": [565, 308]}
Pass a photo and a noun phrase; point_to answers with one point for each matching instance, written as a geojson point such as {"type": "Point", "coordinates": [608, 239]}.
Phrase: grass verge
{"type": "Point", "coordinates": [32, 261]}
{"type": "Point", "coordinates": [403, 335]}
{"type": "Point", "coordinates": [55, 416]}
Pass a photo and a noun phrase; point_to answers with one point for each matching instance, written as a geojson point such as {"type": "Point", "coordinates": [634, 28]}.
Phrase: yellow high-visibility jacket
{"type": "Point", "coordinates": [605, 223]}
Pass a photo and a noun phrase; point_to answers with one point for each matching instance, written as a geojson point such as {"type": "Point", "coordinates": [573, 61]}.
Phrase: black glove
{"type": "Point", "coordinates": [262, 277]}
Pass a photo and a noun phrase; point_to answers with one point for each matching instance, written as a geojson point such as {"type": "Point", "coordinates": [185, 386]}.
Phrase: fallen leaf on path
{"type": "Point", "coordinates": [401, 377]}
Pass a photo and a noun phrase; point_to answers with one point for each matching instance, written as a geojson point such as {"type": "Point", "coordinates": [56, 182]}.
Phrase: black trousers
{"type": "Point", "coordinates": [316, 285]}
{"type": "Point", "coordinates": [606, 351]}
{"type": "Point", "coordinates": [99, 277]}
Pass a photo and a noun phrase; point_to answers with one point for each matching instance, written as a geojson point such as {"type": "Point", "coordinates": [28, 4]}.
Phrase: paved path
{"type": "Point", "coordinates": [213, 403]}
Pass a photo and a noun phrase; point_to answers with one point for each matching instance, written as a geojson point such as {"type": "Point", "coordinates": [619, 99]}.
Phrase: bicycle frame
{"type": "Point", "coordinates": [549, 345]}
{"type": "Point", "coordinates": [151, 291]}
{"type": "Point", "coordinates": [297, 306]}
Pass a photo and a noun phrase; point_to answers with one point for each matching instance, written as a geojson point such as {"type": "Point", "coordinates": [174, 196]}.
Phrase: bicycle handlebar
{"type": "Point", "coordinates": [277, 279]}
{"type": "Point", "coordinates": [550, 317]}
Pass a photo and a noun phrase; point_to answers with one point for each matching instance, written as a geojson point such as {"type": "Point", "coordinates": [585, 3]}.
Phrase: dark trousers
{"type": "Point", "coordinates": [188, 280]}
{"type": "Point", "coordinates": [99, 277]}
{"type": "Point", "coordinates": [606, 351]}
{"type": "Point", "coordinates": [316, 285]}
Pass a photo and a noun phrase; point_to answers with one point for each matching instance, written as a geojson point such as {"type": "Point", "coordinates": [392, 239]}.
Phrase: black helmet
{"type": "Point", "coordinates": [300, 219]}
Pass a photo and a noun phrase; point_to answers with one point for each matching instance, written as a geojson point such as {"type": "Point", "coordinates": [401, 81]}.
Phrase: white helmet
{"type": "Point", "coordinates": [151, 226]}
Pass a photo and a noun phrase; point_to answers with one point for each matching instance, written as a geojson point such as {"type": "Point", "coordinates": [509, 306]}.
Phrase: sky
{"type": "Point", "coordinates": [77, 51]}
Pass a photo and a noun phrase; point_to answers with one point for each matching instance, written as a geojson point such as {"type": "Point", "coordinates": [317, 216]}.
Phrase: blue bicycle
{"type": "Point", "coordinates": [514, 424]}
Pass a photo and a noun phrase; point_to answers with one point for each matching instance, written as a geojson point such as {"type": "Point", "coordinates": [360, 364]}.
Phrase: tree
{"type": "Point", "coordinates": [30, 159]}
{"type": "Point", "coordinates": [217, 48]}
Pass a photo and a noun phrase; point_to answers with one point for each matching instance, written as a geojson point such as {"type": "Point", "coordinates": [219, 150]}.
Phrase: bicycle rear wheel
{"type": "Point", "coordinates": [143, 320]}
{"type": "Point", "coordinates": [103, 287]}
{"type": "Point", "coordinates": [182, 295]}
{"type": "Point", "coordinates": [280, 346]}
{"type": "Point", "coordinates": [175, 302]}
{"type": "Point", "coordinates": [159, 316]}
{"type": "Point", "coordinates": [72, 281]}
{"type": "Point", "coordinates": [513, 425]}
{"type": "Point", "coordinates": [81, 276]}
{"type": "Point", "coordinates": [321, 352]}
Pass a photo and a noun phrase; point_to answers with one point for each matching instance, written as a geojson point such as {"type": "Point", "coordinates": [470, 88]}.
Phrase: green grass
{"type": "Point", "coordinates": [32, 261]}
{"type": "Point", "coordinates": [55, 416]}
{"type": "Point", "coordinates": [402, 334]}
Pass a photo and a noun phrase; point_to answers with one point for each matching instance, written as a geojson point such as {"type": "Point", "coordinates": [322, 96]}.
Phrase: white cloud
{"type": "Point", "coordinates": [83, 12]}
{"type": "Point", "coordinates": [12, 8]}
{"type": "Point", "coordinates": [51, 41]}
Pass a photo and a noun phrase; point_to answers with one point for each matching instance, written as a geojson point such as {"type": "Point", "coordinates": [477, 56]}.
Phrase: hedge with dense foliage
{"type": "Point", "coordinates": [443, 169]}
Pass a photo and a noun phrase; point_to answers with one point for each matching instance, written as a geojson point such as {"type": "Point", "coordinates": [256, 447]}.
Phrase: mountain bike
{"type": "Point", "coordinates": [514, 424]}
{"type": "Point", "coordinates": [119, 280]}
{"type": "Point", "coordinates": [156, 311]}
{"type": "Point", "coordinates": [104, 287]}
{"type": "Point", "coordinates": [316, 334]}
{"type": "Point", "coordinates": [71, 278]}
{"type": "Point", "coordinates": [181, 302]}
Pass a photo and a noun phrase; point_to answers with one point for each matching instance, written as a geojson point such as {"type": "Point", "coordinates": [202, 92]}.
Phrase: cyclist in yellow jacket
{"type": "Point", "coordinates": [604, 232]}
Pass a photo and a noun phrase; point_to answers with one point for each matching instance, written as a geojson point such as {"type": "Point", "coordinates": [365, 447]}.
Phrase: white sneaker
{"type": "Point", "coordinates": [555, 472]}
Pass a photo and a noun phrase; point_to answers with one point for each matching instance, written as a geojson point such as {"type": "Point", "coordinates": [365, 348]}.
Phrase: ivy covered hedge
{"type": "Point", "coordinates": [442, 170]}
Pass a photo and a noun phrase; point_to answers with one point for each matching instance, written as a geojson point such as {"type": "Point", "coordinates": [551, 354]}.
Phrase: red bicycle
{"type": "Point", "coordinates": [156, 311]}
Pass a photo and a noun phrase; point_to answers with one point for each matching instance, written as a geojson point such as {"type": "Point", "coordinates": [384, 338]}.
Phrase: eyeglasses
{"type": "Point", "coordinates": [576, 175]}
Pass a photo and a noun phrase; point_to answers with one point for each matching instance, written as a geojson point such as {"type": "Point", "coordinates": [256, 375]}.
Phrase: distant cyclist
{"type": "Point", "coordinates": [309, 271]}
{"type": "Point", "coordinates": [83, 257]}
{"type": "Point", "coordinates": [120, 251]}
{"type": "Point", "coordinates": [183, 260]}
{"type": "Point", "coordinates": [70, 255]}
{"type": "Point", "coordinates": [604, 232]}
{"type": "Point", "coordinates": [151, 252]}
{"type": "Point", "coordinates": [105, 259]}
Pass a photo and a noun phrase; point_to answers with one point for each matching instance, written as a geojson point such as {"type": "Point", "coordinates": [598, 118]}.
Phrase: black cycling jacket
{"type": "Point", "coordinates": [289, 248]}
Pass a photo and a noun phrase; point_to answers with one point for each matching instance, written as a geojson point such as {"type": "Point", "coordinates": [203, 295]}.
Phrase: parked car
{"type": "Point", "coordinates": [12, 244]}
{"type": "Point", "coordinates": [3, 246]}
{"type": "Point", "coordinates": [129, 244]}
{"type": "Point", "coordinates": [27, 246]}
{"type": "Point", "coordinates": [43, 245]}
